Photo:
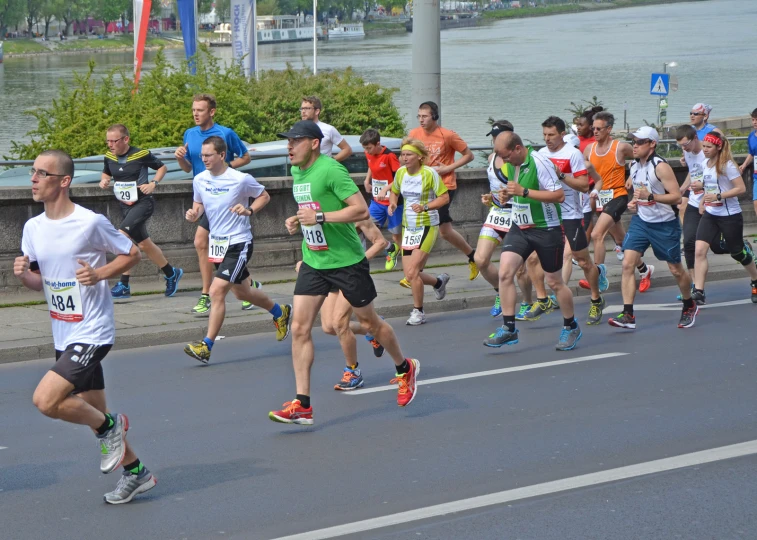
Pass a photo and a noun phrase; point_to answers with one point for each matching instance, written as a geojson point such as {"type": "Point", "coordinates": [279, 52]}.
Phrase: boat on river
{"type": "Point", "coordinates": [271, 29]}
{"type": "Point", "coordinates": [346, 30]}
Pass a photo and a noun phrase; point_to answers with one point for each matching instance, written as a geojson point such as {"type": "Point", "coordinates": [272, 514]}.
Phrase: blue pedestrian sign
{"type": "Point", "coordinates": [660, 85]}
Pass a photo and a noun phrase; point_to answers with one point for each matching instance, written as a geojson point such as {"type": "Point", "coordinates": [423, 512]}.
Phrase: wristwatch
{"type": "Point", "coordinates": [425, 208]}
{"type": "Point", "coordinates": [719, 197]}
{"type": "Point", "coordinates": [250, 209]}
{"type": "Point", "coordinates": [561, 176]}
{"type": "Point", "coordinates": [525, 192]}
{"type": "Point", "coordinates": [320, 217]}
{"type": "Point", "coordinates": [650, 198]}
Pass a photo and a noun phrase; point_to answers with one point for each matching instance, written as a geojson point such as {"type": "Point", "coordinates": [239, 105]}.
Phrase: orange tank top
{"type": "Point", "coordinates": [612, 173]}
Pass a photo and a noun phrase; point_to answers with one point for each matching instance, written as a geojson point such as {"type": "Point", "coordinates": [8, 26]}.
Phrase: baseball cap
{"type": "Point", "coordinates": [304, 129]}
{"type": "Point", "coordinates": [571, 140]}
{"type": "Point", "coordinates": [702, 107]}
{"type": "Point", "coordinates": [646, 132]}
{"type": "Point", "coordinates": [500, 126]}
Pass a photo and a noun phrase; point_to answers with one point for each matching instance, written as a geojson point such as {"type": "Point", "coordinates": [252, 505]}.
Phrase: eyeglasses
{"type": "Point", "coordinates": [595, 128]}
{"type": "Point", "coordinates": [685, 145]}
{"type": "Point", "coordinates": [208, 156]}
{"type": "Point", "coordinates": [640, 142]}
{"type": "Point", "coordinates": [114, 141]}
{"type": "Point", "coordinates": [307, 108]}
{"type": "Point", "coordinates": [42, 174]}
{"type": "Point", "coordinates": [692, 113]}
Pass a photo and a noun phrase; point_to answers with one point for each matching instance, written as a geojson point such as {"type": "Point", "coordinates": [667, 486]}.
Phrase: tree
{"type": "Point", "coordinates": [33, 8]}
{"type": "Point", "coordinates": [47, 12]}
{"type": "Point", "coordinates": [11, 12]}
{"type": "Point", "coordinates": [110, 10]}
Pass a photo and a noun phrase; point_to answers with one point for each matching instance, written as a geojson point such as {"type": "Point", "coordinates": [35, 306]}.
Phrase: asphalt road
{"type": "Point", "coordinates": [226, 471]}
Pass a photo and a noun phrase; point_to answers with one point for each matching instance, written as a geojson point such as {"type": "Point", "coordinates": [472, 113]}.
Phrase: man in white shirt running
{"type": "Point", "coordinates": [310, 109]}
{"type": "Point", "coordinates": [222, 194]}
{"type": "Point", "coordinates": [64, 254]}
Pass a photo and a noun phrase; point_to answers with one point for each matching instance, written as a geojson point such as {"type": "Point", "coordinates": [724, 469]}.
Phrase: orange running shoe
{"type": "Point", "coordinates": [293, 413]}
{"type": "Point", "coordinates": [583, 284]}
{"type": "Point", "coordinates": [406, 383]}
{"type": "Point", "coordinates": [646, 279]}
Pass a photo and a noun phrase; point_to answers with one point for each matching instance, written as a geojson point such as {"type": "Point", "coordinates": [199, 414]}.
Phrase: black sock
{"type": "Point", "coordinates": [404, 367]}
{"type": "Point", "coordinates": [542, 300]}
{"type": "Point", "coordinates": [304, 400]}
{"type": "Point", "coordinates": [419, 308]}
{"type": "Point", "coordinates": [570, 323]}
{"type": "Point", "coordinates": [125, 279]}
{"type": "Point", "coordinates": [597, 301]}
{"type": "Point", "coordinates": [134, 467]}
{"type": "Point", "coordinates": [688, 303]}
{"type": "Point", "coordinates": [438, 283]}
{"type": "Point", "coordinates": [754, 283]}
{"type": "Point", "coordinates": [471, 255]}
{"type": "Point", "coordinates": [168, 270]}
{"type": "Point", "coordinates": [390, 249]}
{"type": "Point", "coordinates": [509, 322]}
{"type": "Point", "coordinates": [642, 268]}
{"type": "Point", "coordinates": [698, 291]}
{"type": "Point", "coordinates": [628, 308]}
{"type": "Point", "coordinates": [106, 425]}
{"type": "Point", "coordinates": [496, 289]}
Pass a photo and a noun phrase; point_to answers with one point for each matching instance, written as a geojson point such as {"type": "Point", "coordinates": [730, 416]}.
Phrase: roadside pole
{"type": "Point", "coordinates": [427, 61]}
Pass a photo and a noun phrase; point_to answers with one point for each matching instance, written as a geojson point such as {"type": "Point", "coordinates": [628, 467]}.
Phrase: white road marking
{"type": "Point", "coordinates": [3, 447]}
{"type": "Point", "coordinates": [547, 488]}
{"type": "Point", "coordinates": [492, 372]}
{"type": "Point", "coordinates": [673, 306]}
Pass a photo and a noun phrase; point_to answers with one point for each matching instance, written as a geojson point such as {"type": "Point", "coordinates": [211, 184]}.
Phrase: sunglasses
{"type": "Point", "coordinates": [692, 113]}
{"type": "Point", "coordinates": [640, 142]}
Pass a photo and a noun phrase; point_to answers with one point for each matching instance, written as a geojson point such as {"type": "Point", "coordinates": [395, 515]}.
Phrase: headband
{"type": "Point", "coordinates": [714, 140]}
{"type": "Point", "coordinates": [412, 148]}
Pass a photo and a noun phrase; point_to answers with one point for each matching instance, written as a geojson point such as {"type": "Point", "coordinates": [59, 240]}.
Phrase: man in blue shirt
{"type": "Point", "coordinates": [189, 159]}
{"type": "Point", "coordinates": [752, 143]}
{"type": "Point", "coordinates": [699, 116]}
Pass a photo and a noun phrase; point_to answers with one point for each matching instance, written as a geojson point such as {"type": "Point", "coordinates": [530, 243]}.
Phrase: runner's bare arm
{"type": "Point", "coordinates": [686, 183]}
{"type": "Point", "coordinates": [105, 181]}
{"type": "Point", "coordinates": [436, 204]}
{"type": "Point", "coordinates": [367, 182]}
{"type": "Point", "coordinates": [540, 195]}
{"type": "Point", "coordinates": [345, 151]}
{"type": "Point", "coordinates": [374, 236]}
{"type": "Point", "coordinates": [466, 157]}
{"type": "Point", "coordinates": [592, 171]}
{"type": "Point", "coordinates": [747, 160]}
{"type": "Point", "coordinates": [579, 183]}
{"type": "Point", "coordinates": [240, 161]}
{"type": "Point", "coordinates": [88, 276]}
{"type": "Point", "coordinates": [355, 211]}
{"type": "Point", "coordinates": [181, 158]}
{"type": "Point", "coordinates": [194, 213]}
{"type": "Point", "coordinates": [668, 178]}
{"type": "Point", "coordinates": [30, 279]}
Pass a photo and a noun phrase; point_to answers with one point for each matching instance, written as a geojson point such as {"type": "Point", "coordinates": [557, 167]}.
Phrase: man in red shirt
{"type": "Point", "coordinates": [442, 144]}
{"type": "Point", "coordinates": [382, 164]}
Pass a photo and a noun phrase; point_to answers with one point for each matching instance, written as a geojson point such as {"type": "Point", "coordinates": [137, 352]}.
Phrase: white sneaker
{"type": "Point", "coordinates": [441, 292]}
{"type": "Point", "coordinates": [619, 252]}
{"type": "Point", "coordinates": [417, 318]}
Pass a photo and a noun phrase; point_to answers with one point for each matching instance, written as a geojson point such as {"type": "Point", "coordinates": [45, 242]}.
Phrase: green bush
{"type": "Point", "coordinates": [160, 111]}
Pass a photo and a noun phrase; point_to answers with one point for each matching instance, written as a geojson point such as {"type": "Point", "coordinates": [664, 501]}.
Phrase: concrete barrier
{"type": "Point", "coordinates": [273, 245]}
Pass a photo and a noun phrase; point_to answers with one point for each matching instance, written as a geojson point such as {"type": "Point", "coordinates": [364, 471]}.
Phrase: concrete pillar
{"type": "Point", "coordinates": [427, 60]}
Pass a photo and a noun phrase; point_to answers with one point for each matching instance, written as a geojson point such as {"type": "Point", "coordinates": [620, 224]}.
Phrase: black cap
{"type": "Point", "coordinates": [499, 127]}
{"type": "Point", "coordinates": [304, 129]}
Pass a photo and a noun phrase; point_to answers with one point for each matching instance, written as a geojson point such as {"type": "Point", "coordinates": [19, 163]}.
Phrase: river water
{"type": "Point", "coordinates": [523, 70]}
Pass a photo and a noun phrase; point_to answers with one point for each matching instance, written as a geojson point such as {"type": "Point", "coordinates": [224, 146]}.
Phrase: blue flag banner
{"type": "Point", "coordinates": [188, 18]}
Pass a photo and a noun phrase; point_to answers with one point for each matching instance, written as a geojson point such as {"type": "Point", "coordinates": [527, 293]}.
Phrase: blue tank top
{"type": "Point", "coordinates": [704, 131]}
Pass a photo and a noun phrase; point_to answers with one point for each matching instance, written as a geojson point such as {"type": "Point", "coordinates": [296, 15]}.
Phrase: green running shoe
{"type": "Point", "coordinates": [203, 305]}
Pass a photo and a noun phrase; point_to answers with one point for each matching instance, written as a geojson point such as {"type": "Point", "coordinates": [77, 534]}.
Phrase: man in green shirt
{"type": "Point", "coordinates": [333, 259]}
{"type": "Point", "coordinates": [536, 195]}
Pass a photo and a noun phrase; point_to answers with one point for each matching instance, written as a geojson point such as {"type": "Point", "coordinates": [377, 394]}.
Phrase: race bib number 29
{"type": "Point", "coordinates": [126, 192]}
{"type": "Point", "coordinates": [64, 299]}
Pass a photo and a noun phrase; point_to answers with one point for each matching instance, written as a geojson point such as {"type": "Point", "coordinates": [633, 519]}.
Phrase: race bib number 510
{"type": "Point", "coordinates": [64, 299]}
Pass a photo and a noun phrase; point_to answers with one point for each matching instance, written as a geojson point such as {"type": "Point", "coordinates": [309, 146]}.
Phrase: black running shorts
{"type": "Point", "coordinates": [354, 281]}
{"type": "Point", "coordinates": [233, 267]}
{"type": "Point", "coordinates": [135, 216]}
{"type": "Point", "coordinates": [444, 215]}
{"type": "Point", "coordinates": [80, 365]}
{"type": "Point", "coordinates": [616, 207]}
{"type": "Point", "coordinates": [731, 227]}
{"type": "Point", "coordinates": [576, 234]}
{"type": "Point", "coordinates": [549, 245]}
{"type": "Point", "coordinates": [203, 222]}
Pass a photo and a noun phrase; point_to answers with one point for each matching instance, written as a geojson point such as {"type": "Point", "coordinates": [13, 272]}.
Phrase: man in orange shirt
{"type": "Point", "coordinates": [442, 144]}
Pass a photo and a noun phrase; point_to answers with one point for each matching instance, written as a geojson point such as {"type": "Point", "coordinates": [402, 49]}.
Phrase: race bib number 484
{"type": "Point", "coordinates": [64, 299]}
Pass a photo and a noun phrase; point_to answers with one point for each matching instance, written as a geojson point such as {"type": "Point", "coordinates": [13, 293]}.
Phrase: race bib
{"type": "Point", "coordinates": [64, 299]}
{"type": "Point", "coordinates": [521, 215]}
{"type": "Point", "coordinates": [217, 248]}
{"type": "Point", "coordinates": [697, 176]}
{"type": "Point", "coordinates": [605, 196]}
{"type": "Point", "coordinates": [412, 237]}
{"type": "Point", "coordinates": [126, 192]}
{"type": "Point", "coordinates": [315, 238]}
{"type": "Point", "coordinates": [378, 185]}
{"type": "Point", "coordinates": [712, 190]}
{"type": "Point", "coordinates": [498, 219]}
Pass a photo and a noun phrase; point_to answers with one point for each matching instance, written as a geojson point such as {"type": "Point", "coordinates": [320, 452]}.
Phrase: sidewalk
{"type": "Point", "coordinates": [152, 319]}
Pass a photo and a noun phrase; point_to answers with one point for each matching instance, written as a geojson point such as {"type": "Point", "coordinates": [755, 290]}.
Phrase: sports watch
{"type": "Point", "coordinates": [320, 217]}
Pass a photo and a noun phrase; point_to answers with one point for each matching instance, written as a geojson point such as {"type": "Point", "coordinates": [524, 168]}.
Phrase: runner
{"type": "Point", "coordinates": [721, 212]}
{"type": "Point", "coordinates": [127, 165]}
{"type": "Point", "coordinates": [330, 203]}
{"type": "Point", "coordinates": [535, 226]}
{"type": "Point", "coordinates": [64, 254]}
{"type": "Point", "coordinates": [424, 194]}
{"type": "Point", "coordinates": [752, 145]}
{"type": "Point", "coordinates": [382, 164]}
{"type": "Point", "coordinates": [441, 145]}
{"type": "Point", "coordinates": [655, 198]}
{"type": "Point", "coordinates": [608, 157]}
{"type": "Point", "coordinates": [699, 116]}
{"type": "Point", "coordinates": [223, 194]}
{"type": "Point", "coordinates": [189, 159]}
{"type": "Point", "coordinates": [575, 180]}
{"type": "Point", "coordinates": [495, 227]}
{"type": "Point", "coordinates": [310, 109]}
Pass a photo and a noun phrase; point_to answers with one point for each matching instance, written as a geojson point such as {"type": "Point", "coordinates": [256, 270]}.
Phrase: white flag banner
{"type": "Point", "coordinates": [244, 34]}
{"type": "Point", "coordinates": [138, 4]}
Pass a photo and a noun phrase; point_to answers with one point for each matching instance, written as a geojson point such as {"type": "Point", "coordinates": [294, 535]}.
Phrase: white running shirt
{"type": "Point", "coordinates": [695, 163]}
{"type": "Point", "coordinates": [569, 160]}
{"type": "Point", "coordinates": [218, 194]}
{"type": "Point", "coordinates": [331, 138]}
{"type": "Point", "coordinates": [55, 245]}
{"type": "Point", "coordinates": [645, 176]}
{"type": "Point", "coordinates": [718, 184]}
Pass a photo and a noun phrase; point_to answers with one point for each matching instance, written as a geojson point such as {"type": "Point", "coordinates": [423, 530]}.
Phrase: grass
{"type": "Point", "coordinates": [374, 29]}
{"type": "Point", "coordinates": [22, 45]}
{"type": "Point", "coordinates": [571, 8]}
{"type": "Point", "coordinates": [119, 42]}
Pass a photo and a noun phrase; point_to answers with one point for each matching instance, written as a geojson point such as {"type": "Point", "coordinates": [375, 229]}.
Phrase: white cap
{"type": "Point", "coordinates": [646, 132]}
{"type": "Point", "coordinates": [571, 140]}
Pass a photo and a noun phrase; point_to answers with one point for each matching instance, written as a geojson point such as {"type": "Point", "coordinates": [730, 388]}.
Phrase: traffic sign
{"type": "Point", "coordinates": [660, 84]}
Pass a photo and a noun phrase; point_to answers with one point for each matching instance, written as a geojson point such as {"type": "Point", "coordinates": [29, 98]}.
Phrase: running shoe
{"type": "Point", "coordinates": [754, 292]}
{"type": "Point", "coordinates": [595, 311]}
{"type": "Point", "coordinates": [405, 283]}
{"type": "Point", "coordinates": [502, 336]}
{"type": "Point", "coordinates": [699, 298]}
{"type": "Point", "coordinates": [496, 309]}
{"type": "Point", "coordinates": [441, 292]}
{"type": "Point", "coordinates": [569, 338]}
{"type": "Point", "coordinates": [247, 306]}
{"type": "Point", "coordinates": [203, 305]}
{"type": "Point", "coordinates": [521, 315]}
{"type": "Point", "coordinates": [172, 283]}
{"type": "Point", "coordinates": [583, 284]}
{"type": "Point", "coordinates": [130, 485]}
{"type": "Point", "coordinates": [540, 308]}
{"type": "Point", "coordinates": [283, 323]}
{"type": "Point", "coordinates": [198, 350]}
{"type": "Point", "coordinates": [748, 249]}
{"type": "Point", "coordinates": [293, 413]}
{"type": "Point", "coordinates": [604, 283]}
{"type": "Point", "coordinates": [624, 320]}
{"type": "Point", "coordinates": [378, 348]}
{"type": "Point", "coordinates": [417, 318]}
{"type": "Point", "coordinates": [120, 290]}
{"type": "Point", "coordinates": [688, 316]}
{"type": "Point", "coordinates": [406, 383]}
{"type": "Point", "coordinates": [680, 296]}
{"type": "Point", "coordinates": [646, 279]}
{"type": "Point", "coordinates": [391, 258]}
{"type": "Point", "coordinates": [619, 253]}
{"type": "Point", "coordinates": [575, 262]}
{"type": "Point", "coordinates": [351, 380]}
{"type": "Point", "coordinates": [113, 444]}
{"type": "Point", "coordinates": [473, 270]}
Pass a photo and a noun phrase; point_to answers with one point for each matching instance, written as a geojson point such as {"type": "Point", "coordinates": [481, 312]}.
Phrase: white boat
{"type": "Point", "coordinates": [271, 29]}
{"type": "Point", "coordinates": [346, 30]}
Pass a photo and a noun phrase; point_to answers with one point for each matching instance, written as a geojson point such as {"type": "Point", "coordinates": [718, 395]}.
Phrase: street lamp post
{"type": "Point", "coordinates": [662, 101]}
